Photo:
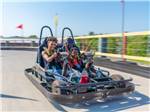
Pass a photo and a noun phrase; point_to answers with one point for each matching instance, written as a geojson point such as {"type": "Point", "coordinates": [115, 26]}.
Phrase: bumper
{"type": "Point", "coordinates": [93, 95]}
{"type": "Point", "coordinates": [63, 99]}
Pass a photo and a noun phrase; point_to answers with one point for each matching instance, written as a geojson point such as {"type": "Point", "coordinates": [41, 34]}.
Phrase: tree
{"type": "Point", "coordinates": [33, 36]}
{"type": "Point", "coordinates": [91, 33]}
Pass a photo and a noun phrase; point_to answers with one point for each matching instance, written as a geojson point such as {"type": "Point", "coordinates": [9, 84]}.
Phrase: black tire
{"type": "Point", "coordinates": [49, 78]}
{"type": "Point", "coordinates": [117, 77]}
{"type": "Point", "coordinates": [35, 73]}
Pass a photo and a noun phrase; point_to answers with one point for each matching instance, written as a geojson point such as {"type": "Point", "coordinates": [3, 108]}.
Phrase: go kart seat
{"type": "Point", "coordinates": [40, 59]}
{"type": "Point", "coordinates": [70, 44]}
{"type": "Point", "coordinates": [59, 47]}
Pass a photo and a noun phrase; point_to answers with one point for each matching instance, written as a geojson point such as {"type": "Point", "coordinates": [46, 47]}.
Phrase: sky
{"type": "Point", "coordinates": [81, 16]}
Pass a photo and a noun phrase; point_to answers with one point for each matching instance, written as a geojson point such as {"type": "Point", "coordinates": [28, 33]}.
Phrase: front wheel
{"type": "Point", "coordinates": [116, 77]}
{"type": "Point", "coordinates": [55, 87]}
{"type": "Point", "coordinates": [59, 91]}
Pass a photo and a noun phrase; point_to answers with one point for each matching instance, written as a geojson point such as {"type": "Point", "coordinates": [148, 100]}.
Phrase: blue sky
{"type": "Point", "coordinates": [81, 16]}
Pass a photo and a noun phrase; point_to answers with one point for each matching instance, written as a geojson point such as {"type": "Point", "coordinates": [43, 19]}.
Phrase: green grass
{"type": "Point", "coordinates": [139, 61]}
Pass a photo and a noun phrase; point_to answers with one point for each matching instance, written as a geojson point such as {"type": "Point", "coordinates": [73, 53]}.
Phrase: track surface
{"type": "Point", "coordinates": [18, 93]}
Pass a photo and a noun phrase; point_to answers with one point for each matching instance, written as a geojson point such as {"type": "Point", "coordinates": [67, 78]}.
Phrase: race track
{"type": "Point", "coordinates": [19, 94]}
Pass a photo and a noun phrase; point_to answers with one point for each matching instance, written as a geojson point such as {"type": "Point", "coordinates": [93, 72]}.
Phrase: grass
{"type": "Point", "coordinates": [139, 61]}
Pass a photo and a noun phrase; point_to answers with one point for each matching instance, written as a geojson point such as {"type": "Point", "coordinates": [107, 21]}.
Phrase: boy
{"type": "Point", "coordinates": [51, 57]}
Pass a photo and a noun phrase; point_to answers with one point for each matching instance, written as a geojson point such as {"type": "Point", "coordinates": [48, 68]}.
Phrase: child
{"type": "Point", "coordinates": [74, 60]}
{"type": "Point", "coordinates": [50, 56]}
{"type": "Point", "coordinates": [70, 43]}
{"type": "Point", "coordinates": [90, 68]}
{"type": "Point", "coordinates": [88, 65]}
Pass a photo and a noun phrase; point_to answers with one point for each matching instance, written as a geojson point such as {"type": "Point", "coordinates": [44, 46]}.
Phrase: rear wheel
{"type": "Point", "coordinates": [117, 77]}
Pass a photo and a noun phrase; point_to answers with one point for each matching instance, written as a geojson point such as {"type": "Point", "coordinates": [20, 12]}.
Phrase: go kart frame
{"type": "Point", "coordinates": [66, 90]}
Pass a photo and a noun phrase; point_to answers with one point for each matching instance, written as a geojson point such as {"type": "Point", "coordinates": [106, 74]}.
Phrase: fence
{"type": "Point", "coordinates": [137, 45]}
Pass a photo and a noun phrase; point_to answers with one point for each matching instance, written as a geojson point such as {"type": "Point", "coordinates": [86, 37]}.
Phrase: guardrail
{"type": "Point", "coordinates": [23, 48]}
{"type": "Point", "coordinates": [125, 56]}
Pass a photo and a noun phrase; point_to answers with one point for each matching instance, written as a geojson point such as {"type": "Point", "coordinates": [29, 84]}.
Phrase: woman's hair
{"type": "Point", "coordinates": [54, 39]}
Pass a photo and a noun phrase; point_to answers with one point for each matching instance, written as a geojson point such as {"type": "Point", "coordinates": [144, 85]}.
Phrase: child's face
{"type": "Point", "coordinates": [52, 45]}
{"type": "Point", "coordinates": [74, 53]}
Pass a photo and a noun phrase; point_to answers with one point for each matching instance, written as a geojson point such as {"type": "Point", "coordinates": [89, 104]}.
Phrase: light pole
{"type": "Point", "coordinates": [123, 33]}
{"type": "Point", "coordinates": [56, 23]}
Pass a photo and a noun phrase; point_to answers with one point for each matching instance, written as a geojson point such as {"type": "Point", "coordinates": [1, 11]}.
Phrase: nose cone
{"type": "Point", "coordinates": [84, 79]}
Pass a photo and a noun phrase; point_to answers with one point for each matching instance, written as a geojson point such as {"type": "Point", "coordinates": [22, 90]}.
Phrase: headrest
{"type": "Point", "coordinates": [44, 43]}
{"type": "Point", "coordinates": [70, 41]}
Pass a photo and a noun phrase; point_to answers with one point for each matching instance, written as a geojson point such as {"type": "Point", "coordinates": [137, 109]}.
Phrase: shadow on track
{"type": "Point", "coordinates": [113, 104]}
{"type": "Point", "coordinates": [16, 97]}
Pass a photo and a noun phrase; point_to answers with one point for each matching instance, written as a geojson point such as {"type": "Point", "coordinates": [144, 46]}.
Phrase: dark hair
{"type": "Point", "coordinates": [74, 48]}
{"type": "Point", "coordinates": [70, 41]}
{"type": "Point", "coordinates": [54, 39]}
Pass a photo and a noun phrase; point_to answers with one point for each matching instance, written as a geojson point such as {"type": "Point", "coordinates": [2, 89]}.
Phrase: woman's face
{"type": "Point", "coordinates": [52, 45]}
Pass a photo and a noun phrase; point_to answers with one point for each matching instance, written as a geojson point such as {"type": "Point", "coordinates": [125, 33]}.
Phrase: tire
{"type": "Point", "coordinates": [35, 73]}
{"type": "Point", "coordinates": [55, 89]}
{"type": "Point", "coordinates": [117, 77]}
{"type": "Point", "coordinates": [59, 91]}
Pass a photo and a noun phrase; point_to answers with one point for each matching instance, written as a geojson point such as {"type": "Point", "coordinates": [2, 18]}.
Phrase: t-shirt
{"type": "Point", "coordinates": [53, 62]}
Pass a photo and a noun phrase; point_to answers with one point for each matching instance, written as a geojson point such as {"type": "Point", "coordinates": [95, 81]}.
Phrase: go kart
{"type": "Point", "coordinates": [75, 86]}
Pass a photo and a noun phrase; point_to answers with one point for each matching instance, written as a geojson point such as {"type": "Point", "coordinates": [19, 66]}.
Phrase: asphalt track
{"type": "Point", "coordinates": [18, 94]}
